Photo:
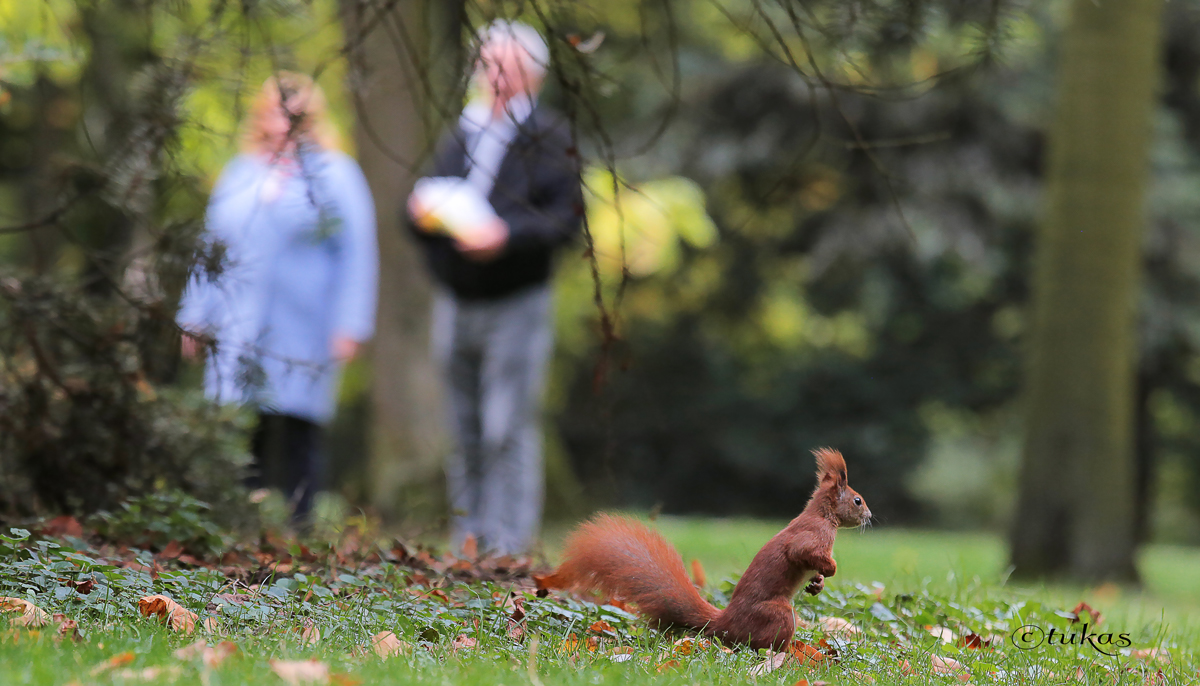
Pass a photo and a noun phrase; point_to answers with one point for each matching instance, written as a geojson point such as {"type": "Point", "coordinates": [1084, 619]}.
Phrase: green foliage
{"type": "Point", "coordinates": [81, 427]}
{"type": "Point", "coordinates": [155, 519]}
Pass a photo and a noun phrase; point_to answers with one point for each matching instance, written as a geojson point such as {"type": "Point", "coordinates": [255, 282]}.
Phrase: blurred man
{"type": "Point", "coordinates": [492, 323]}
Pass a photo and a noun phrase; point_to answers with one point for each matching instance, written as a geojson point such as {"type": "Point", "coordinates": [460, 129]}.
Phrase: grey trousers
{"type": "Point", "coordinates": [493, 355]}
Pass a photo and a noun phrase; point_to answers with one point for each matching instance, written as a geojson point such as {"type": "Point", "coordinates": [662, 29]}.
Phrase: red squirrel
{"type": "Point", "coordinates": [623, 558]}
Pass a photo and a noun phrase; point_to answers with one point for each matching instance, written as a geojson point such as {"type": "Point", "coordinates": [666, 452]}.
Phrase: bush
{"type": "Point", "coordinates": [82, 428]}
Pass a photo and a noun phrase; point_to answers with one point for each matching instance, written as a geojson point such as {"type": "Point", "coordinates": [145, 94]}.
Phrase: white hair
{"type": "Point", "coordinates": [536, 50]}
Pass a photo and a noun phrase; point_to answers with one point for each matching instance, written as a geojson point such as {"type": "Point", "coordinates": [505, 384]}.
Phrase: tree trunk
{"type": "Point", "coordinates": [1075, 515]}
{"type": "Point", "coordinates": [403, 69]}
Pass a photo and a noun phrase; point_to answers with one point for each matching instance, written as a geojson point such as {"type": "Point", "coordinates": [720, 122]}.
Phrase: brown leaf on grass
{"type": "Point", "coordinates": [64, 525]}
{"type": "Point", "coordinates": [82, 587]}
{"type": "Point", "coordinates": [773, 662]}
{"type": "Point", "coordinates": [1097, 618]}
{"type": "Point", "coordinates": [973, 641]}
{"type": "Point", "coordinates": [948, 665]}
{"type": "Point", "coordinates": [906, 668]}
{"type": "Point", "coordinates": [463, 642]}
{"type": "Point", "coordinates": [31, 615]}
{"type": "Point", "coordinates": [806, 682]}
{"type": "Point", "coordinates": [516, 620]}
{"type": "Point", "coordinates": [176, 616]}
{"type": "Point", "coordinates": [684, 646]}
{"type": "Point", "coordinates": [309, 632]}
{"type": "Point", "coordinates": [602, 627]}
{"type": "Point", "coordinates": [570, 644]}
{"type": "Point", "coordinates": [1159, 655]}
{"type": "Point", "coordinates": [168, 673]}
{"type": "Point", "coordinates": [470, 547]}
{"type": "Point", "coordinates": [837, 626]}
{"type": "Point", "coordinates": [941, 632]}
{"type": "Point", "coordinates": [592, 643]}
{"type": "Point", "coordinates": [172, 551]}
{"type": "Point", "coordinates": [386, 644]}
{"type": "Point", "coordinates": [664, 666]}
{"type": "Point", "coordinates": [296, 672]}
{"type": "Point", "coordinates": [118, 660]}
{"type": "Point", "coordinates": [806, 654]}
{"type": "Point", "coordinates": [546, 583]}
{"type": "Point", "coordinates": [431, 593]}
{"type": "Point", "coordinates": [67, 628]}
{"type": "Point", "coordinates": [698, 576]}
{"type": "Point", "coordinates": [619, 604]}
{"type": "Point", "coordinates": [210, 656]}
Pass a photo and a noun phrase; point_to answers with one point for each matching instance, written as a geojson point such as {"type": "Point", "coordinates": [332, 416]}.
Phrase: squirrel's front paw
{"type": "Point", "coordinates": [816, 585]}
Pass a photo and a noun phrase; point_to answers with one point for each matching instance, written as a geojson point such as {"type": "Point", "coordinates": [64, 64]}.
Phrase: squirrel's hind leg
{"type": "Point", "coordinates": [768, 624]}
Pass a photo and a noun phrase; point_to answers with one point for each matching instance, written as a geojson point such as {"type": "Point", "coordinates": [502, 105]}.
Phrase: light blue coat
{"type": "Point", "coordinates": [301, 267]}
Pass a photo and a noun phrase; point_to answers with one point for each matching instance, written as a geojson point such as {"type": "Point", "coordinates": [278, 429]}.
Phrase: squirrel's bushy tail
{"type": "Point", "coordinates": [623, 558]}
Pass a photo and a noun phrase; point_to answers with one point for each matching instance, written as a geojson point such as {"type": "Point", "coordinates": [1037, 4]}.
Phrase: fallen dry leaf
{"type": "Point", "coordinates": [592, 643]}
{"type": "Point", "coordinates": [1097, 618]}
{"type": "Point", "coordinates": [64, 525]}
{"type": "Point", "coordinates": [68, 628]}
{"type": "Point", "coordinates": [310, 633]}
{"type": "Point", "coordinates": [210, 657]}
{"type": "Point", "coordinates": [516, 620]}
{"type": "Point", "coordinates": [664, 666]}
{"type": "Point", "coordinates": [838, 626]}
{"type": "Point", "coordinates": [948, 665]}
{"type": "Point", "coordinates": [31, 615]}
{"type": "Point", "coordinates": [546, 583]}
{"type": "Point", "coordinates": [470, 547]}
{"type": "Point", "coordinates": [602, 627]}
{"type": "Point", "coordinates": [943, 633]}
{"type": "Point", "coordinates": [1152, 655]}
{"type": "Point", "coordinates": [463, 642]}
{"type": "Point", "coordinates": [773, 662]}
{"type": "Point", "coordinates": [698, 576]}
{"type": "Point", "coordinates": [974, 641]}
{"type": "Point", "coordinates": [149, 673]}
{"type": "Point", "coordinates": [82, 587]}
{"type": "Point", "coordinates": [806, 654]}
{"type": "Point", "coordinates": [297, 672]}
{"type": "Point", "coordinates": [685, 646]}
{"type": "Point", "coordinates": [386, 644]}
{"type": "Point", "coordinates": [570, 644]}
{"type": "Point", "coordinates": [118, 660]}
{"type": "Point", "coordinates": [806, 682]}
{"type": "Point", "coordinates": [176, 616]}
{"type": "Point", "coordinates": [863, 678]}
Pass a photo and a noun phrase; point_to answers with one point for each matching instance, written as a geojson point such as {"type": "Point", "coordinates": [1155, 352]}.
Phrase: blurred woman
{"type": "Point", "coordinates": [295, 295]}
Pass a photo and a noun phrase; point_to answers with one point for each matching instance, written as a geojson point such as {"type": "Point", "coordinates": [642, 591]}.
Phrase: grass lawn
{"type": "Point", "coordinates": [460, 634]}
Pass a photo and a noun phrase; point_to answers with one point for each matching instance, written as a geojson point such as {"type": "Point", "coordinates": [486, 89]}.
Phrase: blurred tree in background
{"type": "Point", "coordinates": [1075, 511]}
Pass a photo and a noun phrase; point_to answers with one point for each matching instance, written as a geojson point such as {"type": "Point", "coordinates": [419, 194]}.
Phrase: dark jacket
{"type": "Point", "coordinates": [537, 192]}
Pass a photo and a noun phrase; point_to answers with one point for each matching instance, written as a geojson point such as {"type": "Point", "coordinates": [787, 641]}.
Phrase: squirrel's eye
{"type": "Point", "coordinates": [857, 501]}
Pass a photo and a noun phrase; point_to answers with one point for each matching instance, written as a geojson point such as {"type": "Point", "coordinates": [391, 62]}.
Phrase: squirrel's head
{"type": "Point", "coordinates": [842, 503]}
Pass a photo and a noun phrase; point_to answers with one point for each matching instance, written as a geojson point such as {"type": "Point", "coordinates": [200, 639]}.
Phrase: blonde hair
{"type": "Point", "coordinates": [314, 119]}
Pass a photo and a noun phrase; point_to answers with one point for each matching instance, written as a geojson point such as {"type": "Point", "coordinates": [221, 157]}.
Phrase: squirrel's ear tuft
{"type": "Point", "coordinates": [831, 466]}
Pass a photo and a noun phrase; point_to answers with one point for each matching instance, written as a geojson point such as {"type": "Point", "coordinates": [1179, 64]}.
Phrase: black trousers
{"type": "Point", "coordinates": [287, 456]}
